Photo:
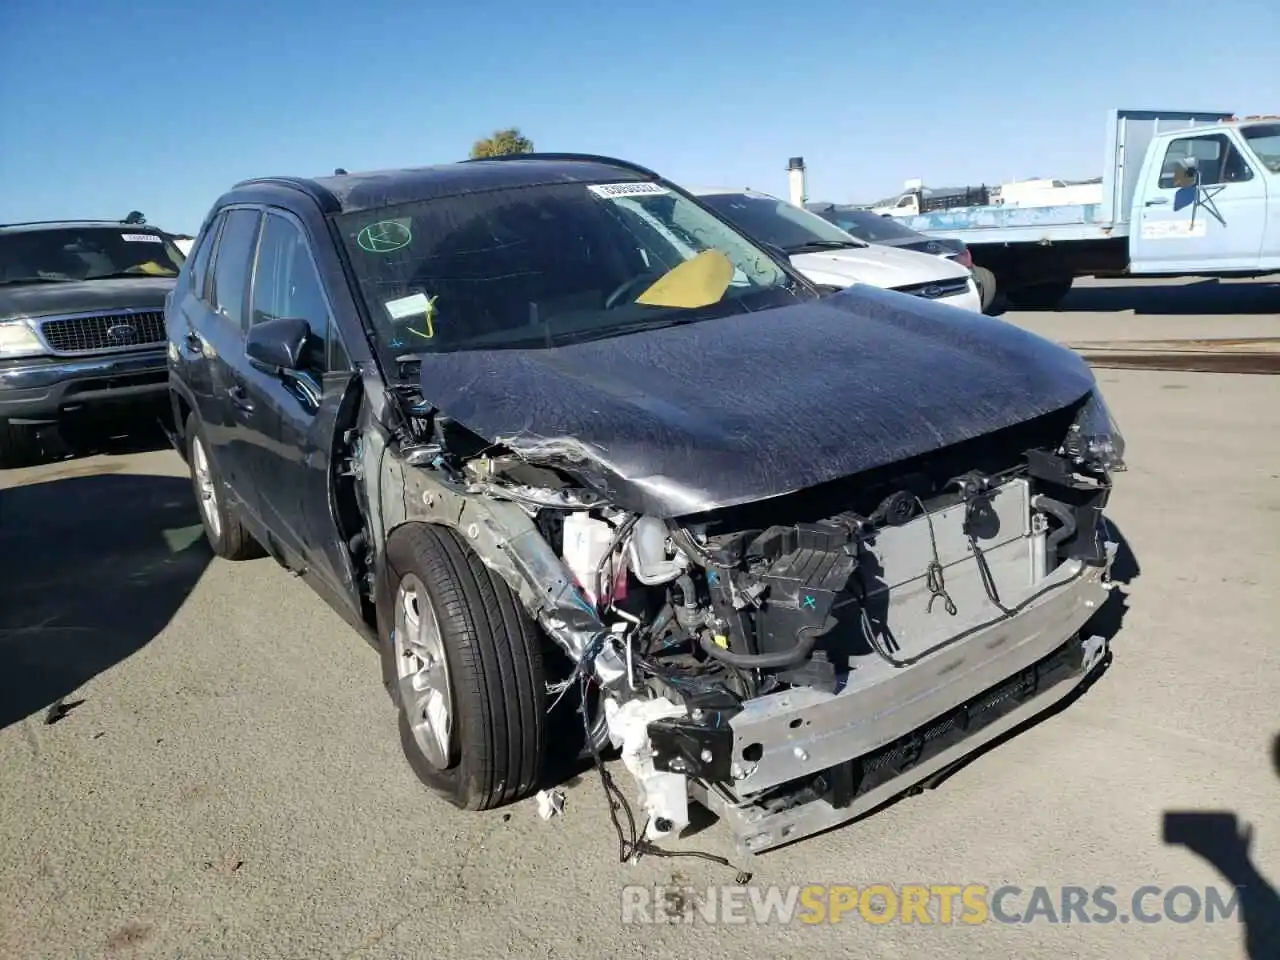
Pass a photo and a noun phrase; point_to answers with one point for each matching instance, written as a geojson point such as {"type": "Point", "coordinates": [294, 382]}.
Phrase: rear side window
{"type": "Point", "coordinates": [231, 268]}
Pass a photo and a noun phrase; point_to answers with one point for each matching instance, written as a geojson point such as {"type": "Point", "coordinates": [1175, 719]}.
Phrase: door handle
{"type": "Point", "coordinates": [1156, 201]}
{"type": "Point", "coordinates": [194, 343]}
{"type": "Point", "coordinates": [240, 399]}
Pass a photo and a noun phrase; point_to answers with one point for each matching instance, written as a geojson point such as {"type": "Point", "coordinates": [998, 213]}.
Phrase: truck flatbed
{"type": "Point", "coordinates": [994, 224]}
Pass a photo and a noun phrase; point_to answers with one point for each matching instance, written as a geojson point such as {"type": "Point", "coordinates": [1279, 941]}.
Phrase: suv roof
{"type": "Point", "coordinates": [349, 192]}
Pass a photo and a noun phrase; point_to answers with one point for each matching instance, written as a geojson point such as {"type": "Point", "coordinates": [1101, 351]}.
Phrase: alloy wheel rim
{"type": "Point", "coordinates": [422, 672]}
{"type": "Point", "coordinates": [206, 489]}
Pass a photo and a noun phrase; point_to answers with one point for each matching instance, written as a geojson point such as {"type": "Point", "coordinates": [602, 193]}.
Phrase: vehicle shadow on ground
{"type": "Point", "coordinates": [1209, 297]}
{"type": "Point", "coordinates": [91, 569]}
{"type": "Point", "coordinates": [1220, 838]}
{"type": "Point", "coordinates": [141, 434]}
{"type": "Point", "coordinates": [1105, 623]}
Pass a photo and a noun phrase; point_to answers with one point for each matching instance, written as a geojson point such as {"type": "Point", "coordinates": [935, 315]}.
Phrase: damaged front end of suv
{"type": "Point", "coordinates": [796, 583]}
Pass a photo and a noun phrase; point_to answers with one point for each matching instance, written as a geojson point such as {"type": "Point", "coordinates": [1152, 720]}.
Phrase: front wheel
{"type": "Point", "coordinates": [986, 282]}
{"type": "Point", "coordinates": [463, 662]}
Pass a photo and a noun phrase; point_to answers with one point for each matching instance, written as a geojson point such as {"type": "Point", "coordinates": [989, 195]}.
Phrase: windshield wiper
{"type": "Point", "coordinates": [16, 280]}
{"type": "Point", "coordinates": [814, 245]}
{"type": "Point", "coordinates": [131, 275]}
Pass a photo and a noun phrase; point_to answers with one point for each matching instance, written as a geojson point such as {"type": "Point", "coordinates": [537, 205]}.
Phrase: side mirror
{"type": "Point", "coordinates": [275, 346]}
{"type": "Point", "coordinates": [1187, 172]}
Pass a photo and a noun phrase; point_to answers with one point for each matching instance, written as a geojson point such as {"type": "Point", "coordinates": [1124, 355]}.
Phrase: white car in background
{"type": "Point", "coordinates": [830, 257]}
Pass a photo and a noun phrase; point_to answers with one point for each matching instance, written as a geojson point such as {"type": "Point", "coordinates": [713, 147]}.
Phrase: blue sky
{"type": "Point", "coordinates": [155, 106]}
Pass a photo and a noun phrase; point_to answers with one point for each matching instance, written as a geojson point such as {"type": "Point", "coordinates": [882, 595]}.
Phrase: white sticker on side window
{"type": "Point", "coordinates": [140, 238]}
{"type": "Point", "coordinates": [613, 191]}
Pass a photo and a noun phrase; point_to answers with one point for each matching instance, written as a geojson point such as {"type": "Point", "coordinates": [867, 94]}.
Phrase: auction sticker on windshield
{"type": "Point", "coordinates": [140, 238]}
{"type": "Point", "coordinates": [612, 191]}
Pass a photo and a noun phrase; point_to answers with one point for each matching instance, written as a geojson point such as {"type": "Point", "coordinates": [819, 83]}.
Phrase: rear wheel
{"type": "Point", "coordinates": [463, 663]}
{"type": "Point", "coordinates": [986, 281]}
{"type": "Point", "coordinates": [222, 527]}
{"type": "Point", "coordinates": [19, 444]}
{"type": "Point", "coordinates": [1039, 296]}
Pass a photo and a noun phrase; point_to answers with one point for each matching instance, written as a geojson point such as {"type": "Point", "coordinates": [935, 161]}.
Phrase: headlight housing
{"type": "Point", "coordinates": [1094, 441]}
{"type": "Point", "coordinates": [18, 339]}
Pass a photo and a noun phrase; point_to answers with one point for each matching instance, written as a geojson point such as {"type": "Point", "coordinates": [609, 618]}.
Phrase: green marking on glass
{"type": "Point", "coordinates": [385, 236]}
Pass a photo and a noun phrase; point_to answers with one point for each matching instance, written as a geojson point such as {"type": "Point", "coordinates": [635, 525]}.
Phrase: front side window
{"type": "Point", "coordinates": [782, 224]}
{"type": "Point", "coordinates": [870, 227]}
{"type": "Point", "coordinates": [67, 254]}
{"type": "Point", "coordinates": [1217, 160]}
{"type": "Point", "coordinates": [286, 284]}
{"type": "Point", "coordinates": [1264, 140]}
{"type": "Point", "coordinates": [540, 266]}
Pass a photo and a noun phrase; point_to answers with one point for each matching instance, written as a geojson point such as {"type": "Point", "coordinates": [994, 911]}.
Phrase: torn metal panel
{"type": "Point", "coordinates": [506, 540]}
{"type": "Point", "coordinates": [695, 417]}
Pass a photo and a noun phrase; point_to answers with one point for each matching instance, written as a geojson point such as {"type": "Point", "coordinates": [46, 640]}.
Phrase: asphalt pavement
{"type": "Point", "coordinates": [197, 758]}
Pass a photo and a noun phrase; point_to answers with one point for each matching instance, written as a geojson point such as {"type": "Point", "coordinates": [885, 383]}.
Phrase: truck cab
{"type": "Point", "coordinates": [1209, 200]}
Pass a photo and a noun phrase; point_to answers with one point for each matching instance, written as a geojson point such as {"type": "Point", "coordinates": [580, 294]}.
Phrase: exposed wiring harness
{"type": "Point", "coordinates": [632, 844]}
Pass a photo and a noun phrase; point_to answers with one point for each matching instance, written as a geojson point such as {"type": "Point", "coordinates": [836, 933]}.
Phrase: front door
{"type": "Point", "coordinates": [292, 465]}
{"type": "Point", "coordinates": [1210, 221]}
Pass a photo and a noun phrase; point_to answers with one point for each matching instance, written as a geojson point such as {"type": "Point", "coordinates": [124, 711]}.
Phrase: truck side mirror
{"type": "Point", "coordinates": [1187, 172]}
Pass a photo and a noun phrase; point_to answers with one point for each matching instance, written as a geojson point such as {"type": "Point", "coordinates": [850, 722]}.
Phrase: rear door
{"type": "Point", "coordinates": [233, 427]}
{"type": "Point", "coordinates": [188, 318]}
{"type": "Point", "coordinates": [1180, 225]}
{"type": "Point", "coordinates": [298, 412]}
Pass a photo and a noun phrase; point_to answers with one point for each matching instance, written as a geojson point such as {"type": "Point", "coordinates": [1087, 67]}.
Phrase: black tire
{"type": "Point", "coordinates": [229, 540]}
{"type": "Point", "coordinates": [19, 445]}
{"type": "Point", "coordinates": [1039, 296]}
{"type": "Point", "coordinates": [493, 652]}
{"type": "Point", "coordinates": [986, 281]}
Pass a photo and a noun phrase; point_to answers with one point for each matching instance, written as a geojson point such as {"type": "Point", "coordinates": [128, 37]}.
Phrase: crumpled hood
{"type": "Point", "coordinates": [727, 411]}
{"type": "Point", "coordinates": [45, 299]}
{"type": "Point", "coordinates": [877, 265]}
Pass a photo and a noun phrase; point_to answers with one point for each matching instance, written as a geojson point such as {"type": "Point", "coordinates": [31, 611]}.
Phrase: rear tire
{"type": "Point", "coordinates": [222, 527]}
{"type": "Point", "coordinates": [1039, 296]}
{"type": "Point", "coordinates": [19, 445]}
{"type": "Point", "coordinates": [986, 281]}
{"type": "Point", "coordinates": [452, 634]}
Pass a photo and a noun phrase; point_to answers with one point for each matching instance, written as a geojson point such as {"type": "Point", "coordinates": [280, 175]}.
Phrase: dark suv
{"type": "Point", "coordinates": [550, 432]}
{"type": "Point", "coordinates": [81, 324]}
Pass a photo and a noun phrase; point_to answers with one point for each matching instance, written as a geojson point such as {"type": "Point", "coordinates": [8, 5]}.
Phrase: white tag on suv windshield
{"type": "Point", "coordinates": [416, 304]}
{"type": "Point", "coordinates": [141, 238]}
{"type": "Point", "coordinates": [612, 191]}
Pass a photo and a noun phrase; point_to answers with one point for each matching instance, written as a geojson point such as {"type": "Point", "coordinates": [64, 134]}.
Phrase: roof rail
{"type": "Point", "coordinates": [326, 200]}
{"type": "Point", "coordinates": [36, 223]}
{"type": "Point", "coordinates": [586, 157]}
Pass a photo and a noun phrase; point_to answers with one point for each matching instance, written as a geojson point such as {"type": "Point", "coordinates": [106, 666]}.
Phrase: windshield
{"type": "Point", "coordinates": [65, 254]}
{"type": "Point", "coordinates": [546, 265]}
{"type": "Point", "coordinates": [870, 227]}
{"type": "Point", "coordinates": [1264, 140]}
{"type": "Point", "coordinates": [780, 223]}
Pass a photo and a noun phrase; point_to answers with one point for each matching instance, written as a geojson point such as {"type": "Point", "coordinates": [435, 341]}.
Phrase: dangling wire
{"type": "Point", "coordinates": [934, 577]}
